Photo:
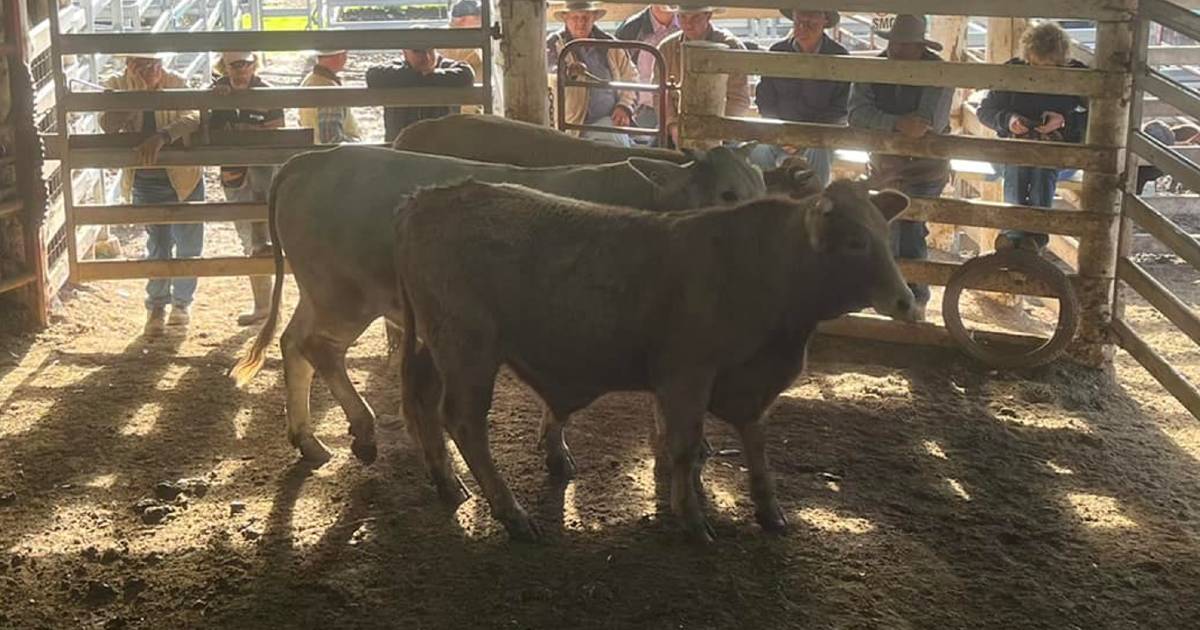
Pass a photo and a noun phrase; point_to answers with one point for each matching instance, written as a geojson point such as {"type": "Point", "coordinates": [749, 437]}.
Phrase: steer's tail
{"type": "Point", "coordinates": [252, 362]}
{"type": "Point", "coordinates": [412, 389]}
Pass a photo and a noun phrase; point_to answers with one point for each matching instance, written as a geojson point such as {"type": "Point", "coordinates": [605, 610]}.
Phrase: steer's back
{"type": "Point", "coordinates": [495, 139]}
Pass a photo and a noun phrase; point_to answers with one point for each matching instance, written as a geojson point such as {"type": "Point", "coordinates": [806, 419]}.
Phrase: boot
{"type": "Point", "coordinates": [260, 287]}
{"type": "Point", "coordinates": [156, 321]}
{"type": "Point", "coordinates": [180, 315]}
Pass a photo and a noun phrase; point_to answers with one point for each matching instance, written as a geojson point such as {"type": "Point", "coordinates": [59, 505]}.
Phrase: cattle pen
{"type": "Point", "coordinates": [139, 488]}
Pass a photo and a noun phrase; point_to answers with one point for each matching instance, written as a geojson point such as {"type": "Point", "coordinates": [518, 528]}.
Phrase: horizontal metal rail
{"type": "Point", "coordinates": [274, 97]}
{"type": "Point", "coordinates": [1179, 167]}
{"type": "Point", "coordinates": [376, 39]}
{"type": "Point", "coordinates": [1158, 367]}
{"type": "Point", "coordinates": [1162, 228]}
{"type": "Point", "coordinates": [1088, 9]}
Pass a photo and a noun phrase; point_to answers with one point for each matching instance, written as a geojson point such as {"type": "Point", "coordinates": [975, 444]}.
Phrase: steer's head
{"type": "Point", "coordinates": [847, 228]}
{"type": "Point", "coordinates": [716, 177]}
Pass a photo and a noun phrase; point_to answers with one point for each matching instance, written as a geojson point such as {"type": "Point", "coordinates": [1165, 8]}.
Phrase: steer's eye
{"type": "Point", "coordinates": [729, 196]}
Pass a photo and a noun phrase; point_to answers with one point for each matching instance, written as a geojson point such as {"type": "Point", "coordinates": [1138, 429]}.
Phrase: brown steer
{"type": "Point", "coordinates": [711, 310]}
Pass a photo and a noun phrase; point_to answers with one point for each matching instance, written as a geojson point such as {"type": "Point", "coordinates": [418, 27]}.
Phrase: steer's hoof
{"type": "Point", "coordinates": [522, 529]}
{"type": "Point", "coordinates": [314, 452]}
{"type": "Point", "coordinates": [365, 450]}
{"type": "Point", "coordinates": [772, 520]}
{"type": "Point", "coordinates": [451, 490]}
{"type": "Point", "coordinates": [561, 465]}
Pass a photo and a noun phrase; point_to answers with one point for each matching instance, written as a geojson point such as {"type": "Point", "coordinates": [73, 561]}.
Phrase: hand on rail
{"type": "Point", "coordinates": [1017, 125]}
{"type": "Point", "coordinates": [149, 148]}
{"type": "Point", "coordinates": [1051, 122]}
{"type": "Point", "coordinates": [222, 90]}
{"type": "Point", "coordinates": [912, 126]}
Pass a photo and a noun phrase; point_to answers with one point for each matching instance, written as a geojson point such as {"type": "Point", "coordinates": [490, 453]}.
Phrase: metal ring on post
{"type": "Point", "coordinates": [1034, 267]}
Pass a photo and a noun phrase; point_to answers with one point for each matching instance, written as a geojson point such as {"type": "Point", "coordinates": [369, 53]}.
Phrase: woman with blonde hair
{"type": "Point", "coordinates": [1045, 117]}
{"type": "Point", "coordinates": [238, 70]}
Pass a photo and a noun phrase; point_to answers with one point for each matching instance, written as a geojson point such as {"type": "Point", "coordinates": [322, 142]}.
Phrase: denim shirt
{"type": "Point", "coordinates": [804, 100]}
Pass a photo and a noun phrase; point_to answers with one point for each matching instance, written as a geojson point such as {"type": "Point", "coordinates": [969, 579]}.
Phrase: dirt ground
{"type": "Point", "coordinates": [923, 491]}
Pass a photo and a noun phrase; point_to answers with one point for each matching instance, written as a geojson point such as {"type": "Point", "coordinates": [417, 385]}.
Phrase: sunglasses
{"type": "Point", "coordinates": [240, 65]}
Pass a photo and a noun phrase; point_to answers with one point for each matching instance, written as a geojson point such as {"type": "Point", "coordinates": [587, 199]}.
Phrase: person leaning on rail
{"type": "Point", "coordinates": [330, 125]}
{"type": "Point", "coordinates": [1046, 117]}
{"type": "Point", "coordinates": [150, 184]}
{"type": "Point", "coordinates": [695, 25]}
{"type": "Point", "coordinates": [914, 112]}
{"type": "Point", "coordinates": [804, 100]}
{"type": "Point", "coordinates": [422, 67]}
{"type": "Point", "coordinates": [238, 71]}
{"type": "Point", "coordinates": [649, 26]}
{"type": "Point", "coordinates": [604, 107]}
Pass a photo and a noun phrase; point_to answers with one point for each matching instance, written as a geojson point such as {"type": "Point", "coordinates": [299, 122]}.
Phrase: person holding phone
{"type": "Point", "coordinates": [1041, 117]}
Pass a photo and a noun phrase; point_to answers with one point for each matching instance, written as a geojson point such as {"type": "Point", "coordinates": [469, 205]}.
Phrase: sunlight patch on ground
{"type": "Point", "coordinates": [312, 516]}
{"type": "Point", "coordinates": [1061, 470]}
{"type": "Point", "coordinates": [102, 481]}
{"type": "Point", "coordinates": [934, 449]}
{"type": "Point", "coordinates": [832, 522]}
{"type": "Point", "coordinates": [1040, 419]}
{"type": "Point", "coordinates": [22, 417]}
{"type": "Point", "coordinates": [171, 376]}
{"type": "Point", "coordinates": [642, 498]}
{"type": "Point", "coordinates": [723, 498]}
{"type": "Point", "coordinates": [1187, 438]}
{"type": "Point", "coordinates": [143, 420]}
{"type": "Point", "coordinates": [28, 366]}
{"type": "Point", "coordinates": [64, 531]}
{"type": "Point", "coordinates": [806, 391]}
{"type": "Point", "coordinates": [572, 520]}
{"type": "Point", "coordinates": [853, 385]}
{"type": "Point", "coordinates": [957, 488]}
{"type": "Point", "coordinates": [241, 422]}
{"type": "Point", "coordinates": [1100, 512]}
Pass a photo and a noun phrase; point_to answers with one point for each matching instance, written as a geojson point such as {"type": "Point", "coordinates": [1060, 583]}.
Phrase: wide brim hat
{"type": "Point", "coordinates": [572, 7]}
{"type": "Point", "coordinates": [157, 56]}
{"type": "Point", "coordinates": [329, 52]}
{"type": "Point", "coordinates": [908, 29]}
{"type": "Point", "coordinates": [230, 56]}
{"type": "Point", "coordinates": [831, 17]}
{"type": "Point", "coordinates": [685, 9]}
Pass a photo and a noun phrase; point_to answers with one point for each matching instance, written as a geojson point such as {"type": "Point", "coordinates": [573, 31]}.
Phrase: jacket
{"type": "Point", "coordinates": [805, 100]}
{"type": "Point", "coordinates": [338, 122]}
{"type": "Point", "coordinates": [179, 125]}
{"type": "Point", "coordinates": [575, 101]}
{"type": "Point", "coordinates": [998, 106]}
{"type": "Point", "coordinates": [636, 28]}
{"type": "Point", "coordinates": [737, 93]}
{"type": "Point", "coordinates": [879, 105]}
{"type": "Point", "coordinates": [397, 74]}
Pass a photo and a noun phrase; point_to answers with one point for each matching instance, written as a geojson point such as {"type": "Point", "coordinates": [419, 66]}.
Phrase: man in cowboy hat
{"type": "Point", "coordinates": [913, 111]}
{"type": "Point", "coordinates": [157, 185]}
{"type": "Point", "coordinates": [330, 125]}
{"type": "Point", "coordinates": [605, 107]}
{"type": "Point", "coordinates": [804, 100]}
{"type": "Point", "coordinates": [649, 26]}
{"type": "Point", "coordinates": [695, 24]}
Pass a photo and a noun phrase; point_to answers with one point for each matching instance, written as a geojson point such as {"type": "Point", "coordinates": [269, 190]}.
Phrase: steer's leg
{"type": "Point", "coordinates": [422, 389]}
{"type": "Point", "coordinates": [327, 351]}
{"type": "Point", "coordinates": [467, 394]}
{"type": "Point", "coordinates": [298, 376]}
{"type": "Point", "coordinates": [559, 460]}
{"type": "Point", "coordinates": [762, 485]}
{"type": "Point", "coordinates": [682, 401]}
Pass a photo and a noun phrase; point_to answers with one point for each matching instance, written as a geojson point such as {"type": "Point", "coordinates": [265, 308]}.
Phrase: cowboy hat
{"type": "Point", "coordinates": [230, 56]}
{"type": "Point", "coordinates": [908, 29]}
{"type": "Point", "coordinates": [157, 56]}
{"type": "Point", "coordinates": [831, 17]}
{"type": "Point", "coordinates": [686, 9]}
{"type": "Point", "coordinates": [572, 7]}
{"type": "Point", "coordinates": [329, 52]}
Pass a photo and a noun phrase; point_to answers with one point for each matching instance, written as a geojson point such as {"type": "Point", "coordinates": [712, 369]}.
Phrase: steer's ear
{"type": "Point", "coordinates": [657, 172]}
{"type": "Point", "coordinates": [890, 202]}
{"type": "Point", "coordinates": [816, 223]}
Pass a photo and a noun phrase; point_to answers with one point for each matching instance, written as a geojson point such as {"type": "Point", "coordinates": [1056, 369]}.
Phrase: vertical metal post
{"type": "Point", "coordinates": [64, 168]}
{"type": "Point", "coordinates": [118, 15]}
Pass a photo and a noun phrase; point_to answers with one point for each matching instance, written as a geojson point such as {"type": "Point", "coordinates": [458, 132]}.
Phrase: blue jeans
{"type": "Point", "coordinates": [769, 156]}
{"type": "Point", "coordinates": [169, 240]}
{"type": "Point", "coordinates": [607, 137]}
{"type": "Point", "coordinates": [908, 237]}
{"type": "Point", "coordinates": [647, 118]}
{"type": "Point", "coordinates": [1030, 186]}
